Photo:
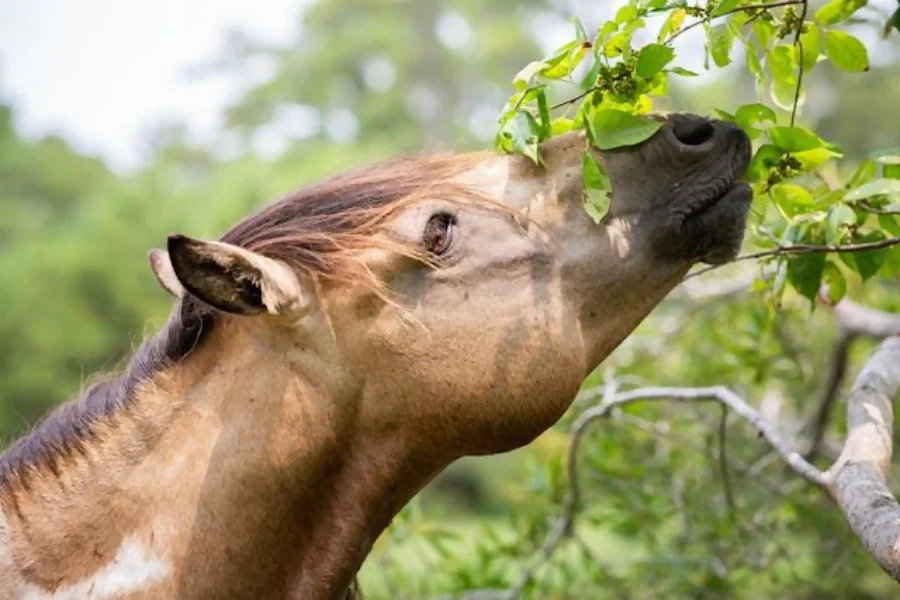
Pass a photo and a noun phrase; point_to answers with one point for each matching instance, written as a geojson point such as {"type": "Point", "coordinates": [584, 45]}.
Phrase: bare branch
{"type": "Point", "coordinates": [805, 249]}
{"type": "Point", "coordinates": [719, 394]}
{"type": "Point", "coordinates": [867, 206]}
{"type": "Point", "coordinates": [857, 480]}
{"type": "Point", "coordinates": [723, 465]}
{"type": "Point", "coordinates": [855, 320]}
{"type": "Point", "coordinates": [799, 46]}
{"type": "Point", "coordinates": [862, 320]}
{"type": "Point", "coordinates": [745, 8]}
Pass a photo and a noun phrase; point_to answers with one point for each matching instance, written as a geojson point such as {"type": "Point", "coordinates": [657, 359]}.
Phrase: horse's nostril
{"type": "Point", "coordinates": [693, 131]}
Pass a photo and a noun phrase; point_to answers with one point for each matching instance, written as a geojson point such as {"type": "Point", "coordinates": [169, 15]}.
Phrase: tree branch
{"type": "Point", "coordinates": [854, 321]}
{"type": "Point", "coordinates": [799, 46]}
{"type": "Point", "coordinates": [857, 481]}
{"type": "Point", "coordinates": [747, 7]}
{"type": "Point", "coordinates": [805, 249]}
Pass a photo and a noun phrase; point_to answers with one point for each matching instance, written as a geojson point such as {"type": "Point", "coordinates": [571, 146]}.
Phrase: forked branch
{"type": "Point", "coordinates": [857, 480]}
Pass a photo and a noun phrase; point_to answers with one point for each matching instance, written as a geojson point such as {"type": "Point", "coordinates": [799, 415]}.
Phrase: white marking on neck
{"type": "Point", "coordinates": [133, 569]}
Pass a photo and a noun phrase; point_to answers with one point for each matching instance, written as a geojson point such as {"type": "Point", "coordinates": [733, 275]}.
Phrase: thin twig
{"type": "Point", "coordinates": [745, 8]}
{"type": "Point", "coordinates": [723, 465]}
{"type": "Point", "coordinates": [799, 45]}
{"type": "Point", "coordinates": [837, 370]}
{"type": "Point", "coordinates": [805, 249]}
{"type": "Point", "coordinates": [866, 206]}
{"type": "Point", "coordinates": [719, 394]}
{"type": "Point", "coordinates": [574, 99]}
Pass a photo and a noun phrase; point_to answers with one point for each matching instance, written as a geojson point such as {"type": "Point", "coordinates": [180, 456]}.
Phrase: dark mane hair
{"type": "Point", "coordinates": [314, 229]}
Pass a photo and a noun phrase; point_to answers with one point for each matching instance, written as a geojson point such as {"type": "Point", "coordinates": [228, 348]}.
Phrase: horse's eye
{"type": "Point", "coordinates": [438, 233]}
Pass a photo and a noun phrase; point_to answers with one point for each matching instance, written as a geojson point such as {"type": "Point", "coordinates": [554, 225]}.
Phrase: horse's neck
{"type": "Point", "coordinates": [251, 487]}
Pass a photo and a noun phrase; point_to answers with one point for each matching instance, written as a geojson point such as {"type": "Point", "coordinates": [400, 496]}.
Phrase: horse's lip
{"type": "Point", "coordinates": [739, 190]}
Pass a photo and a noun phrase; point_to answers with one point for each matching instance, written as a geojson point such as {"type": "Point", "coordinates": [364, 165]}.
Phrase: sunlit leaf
{"type": "Point", "coordinates": [845, 51]}
{"type": "Point", "coordinates": [792, 198]}
{"type": "Point", "coordinates": [864, 173]}
{"type": "Point", "coordinates": [810, 42]}
{"type": "Point", "coordinates": [683, 72]}
{"type": "Point", "coordinates": [840, 216]}
{"type": "Point", "coordinates": [794, 139]}
{"type": "Point", "coordinates": [838, 10]}
{"type": "Point", "coordinates": [764, 159]}
{"type": "Point", "coordinates": [749, 115]}
{"type": "Point", "coordinates": [671, 24]}
{"type": "Point", "coordinates": [764, 32]}
{"type": "Point", "coordinates": [723, 7]}
{"type": "Point", "coordinates": [597, 187]}
{"type": "Point", "coordinates": [523, 78]}
{"type": "Point", "coordinates": [652, 58]}
{"type": "Point", "coordinates": [720, 41]}
{"type": "Point", "coordinates": [874, 188]}
{"type": "Point", "coordinates": [626, 13]}
{"type": "Point", "coordinates": [612, 128]}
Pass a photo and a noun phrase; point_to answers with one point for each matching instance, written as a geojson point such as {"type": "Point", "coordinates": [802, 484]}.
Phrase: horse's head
{"type": "Point", "coordinates": [459, 302]}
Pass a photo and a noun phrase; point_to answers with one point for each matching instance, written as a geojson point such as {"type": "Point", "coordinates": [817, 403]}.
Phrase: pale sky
{"type": "Point", "coordinates": [102, 72]}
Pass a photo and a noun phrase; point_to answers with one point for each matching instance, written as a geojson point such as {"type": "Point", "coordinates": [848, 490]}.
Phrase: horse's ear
{"type": "Point", "coordinates": [165, 275]}
{"type": "Point", "coordinates": [235, 280]}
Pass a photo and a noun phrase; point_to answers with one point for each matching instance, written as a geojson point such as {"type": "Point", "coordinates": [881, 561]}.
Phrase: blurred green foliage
{"type": "Point", "coordinates": [77, 296]}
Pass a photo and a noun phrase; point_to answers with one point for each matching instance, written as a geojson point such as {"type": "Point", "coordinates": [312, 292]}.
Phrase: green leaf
{"type": "Point", "coordinates": [811, 43]}
{"type": "Point", "coordinates": [652, 58]}
{"type": "Point", "coordinates": [617, 45]}
{"type": "Point", "coordinates": [611, 128]}
{"type": "Point", "coordinates": [749, 115]}
{"type": "Point", "coordinates": [811, 159]}
{"type": "Point", "coordinates": [794, 139]}
{"type": "Point", "coordinates": [580, 33]}
{"type": "Point", "coordinates": [754, 65]}
{"type": "Point", "coordinates": [723, 7]}
{"type": "Point", "coordinates": [523, 78]}
{"type": "Point", "coordinates": [840, 216]}
{"type": "Point", "coordinates": [838, 10]}
{"type": "Point", "coordinates": [720, 40]}
{"type": "Point", "coordinates": [525, 133]}
{"type": "Point", "coordinates": [784, 91]}
{"type": "Point", "coordinates": [805, 274]}
{"type": "Point", "coordinates": [671, 24]}
{"type": "Point", "coordinates": [890, 156]}
{"type": "Point", "coordinates": [764, 32]}
{"type": "Point", "coordinates": [846, 52]}
{"type": "Point", "coordinates": [835, 282]}
{"type": "Point", "coordinates": [792, 199]}
{"type": "Point", "coordinates": [544, 114]}
{"type": "Point", "coordinates": [890, 223]}
{"type": "Point", "coordinates": [876, 187]}
{"type": "Point", "coordinates": [564, 60]}
{"type": "Point", "coordinates": [864, 173]}
{"type": "Point", "coordinates": [560, 126]}
{"type": "Point", "coordinates": [683, 72]}
{"type": "Point", "coordinates": [781, 62]}
{"type": "Point", "coordinates": [597, 187]}
{"type": "Point", "coordinates": [765, 158]}
{"type": "Point", "coordinates": [870, 262]}
{"type": "Point", "coordinates": [626, 13]}
{"type": "Point", "coordinates": [724, 115]}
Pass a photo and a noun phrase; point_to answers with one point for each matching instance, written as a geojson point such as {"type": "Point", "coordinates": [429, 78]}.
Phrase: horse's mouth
{"type": "Point", "coordinates": [728, 190]}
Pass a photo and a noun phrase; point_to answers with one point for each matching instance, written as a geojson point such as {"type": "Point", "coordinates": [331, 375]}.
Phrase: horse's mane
{"type": "Point", "coordinates": [316, 229]}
